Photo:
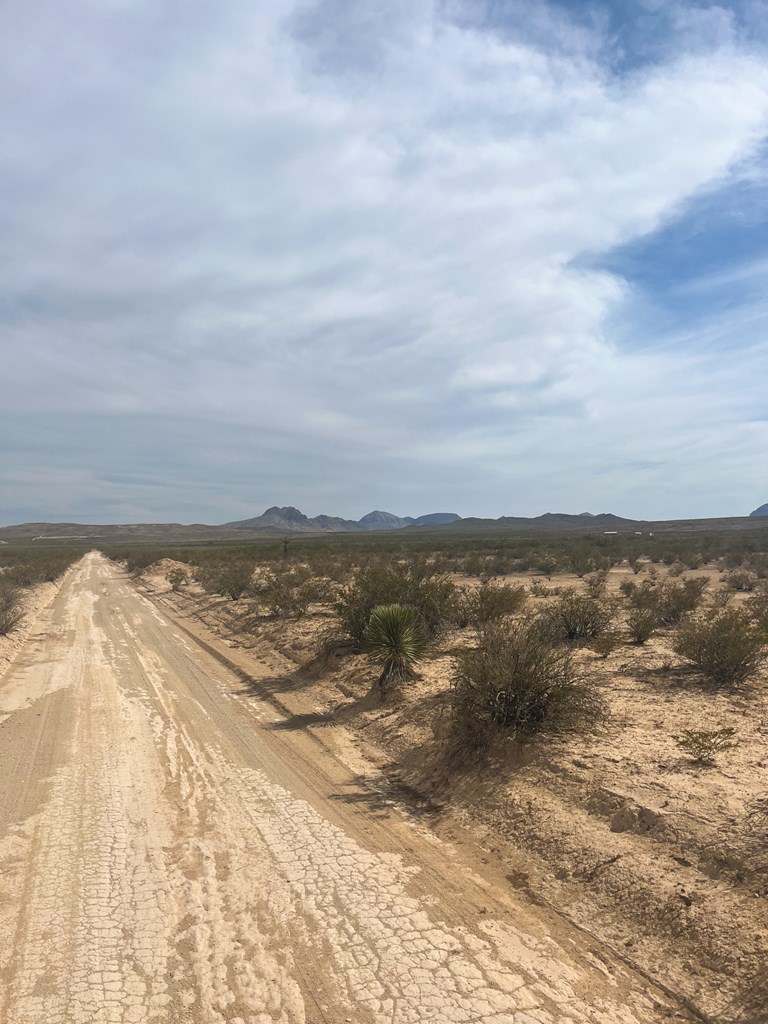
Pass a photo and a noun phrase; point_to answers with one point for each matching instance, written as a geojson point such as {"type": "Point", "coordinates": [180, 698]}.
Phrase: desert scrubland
{"type": "Point", "coordinates": [229, 798]}
{"type": "Point", "coordinates": [627, 818]}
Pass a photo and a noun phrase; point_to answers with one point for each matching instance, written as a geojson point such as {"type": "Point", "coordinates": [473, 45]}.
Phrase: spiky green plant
{"type": "Point", "coordinates": [394, 638]}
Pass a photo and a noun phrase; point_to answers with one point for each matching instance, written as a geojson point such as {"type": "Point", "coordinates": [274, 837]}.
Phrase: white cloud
{"type": "Point", "coordinates": [357, 233]}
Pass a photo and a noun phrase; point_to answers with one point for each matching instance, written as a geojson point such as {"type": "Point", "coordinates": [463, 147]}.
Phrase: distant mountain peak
{"type": "Point", "coordinates": [288, 512]}
{"type": "Point", "coordinates": [378, 520]}
{"type": "Point", "coordinates": [762, 511]}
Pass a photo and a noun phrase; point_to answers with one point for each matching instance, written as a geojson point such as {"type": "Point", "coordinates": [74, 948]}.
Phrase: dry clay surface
{"type": "Point", "coordinates": [168, 853]}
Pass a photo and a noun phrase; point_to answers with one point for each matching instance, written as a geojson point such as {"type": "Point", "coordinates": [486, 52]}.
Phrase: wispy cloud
{"type": "Point", "coordinates": [353, 255]}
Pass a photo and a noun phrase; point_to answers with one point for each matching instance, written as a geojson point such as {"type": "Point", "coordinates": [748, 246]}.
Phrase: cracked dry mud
{"type": "Point", "coordinates": [166, 856]}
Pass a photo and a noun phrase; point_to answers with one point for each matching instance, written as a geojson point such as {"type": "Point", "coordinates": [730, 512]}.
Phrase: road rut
{"type": "Point", "coordinates": [167, 856]}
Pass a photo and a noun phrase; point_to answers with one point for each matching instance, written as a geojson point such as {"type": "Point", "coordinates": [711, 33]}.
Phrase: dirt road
{"type": "Point", "coordinates": [167, 854]}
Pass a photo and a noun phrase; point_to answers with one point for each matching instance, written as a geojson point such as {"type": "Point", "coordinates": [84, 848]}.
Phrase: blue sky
{"type": "Point", "coordinates": [492, 257]}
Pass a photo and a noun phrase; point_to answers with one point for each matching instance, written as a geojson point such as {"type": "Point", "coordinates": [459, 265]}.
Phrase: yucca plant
{"type": "Point", "coordinates": [395, 639]}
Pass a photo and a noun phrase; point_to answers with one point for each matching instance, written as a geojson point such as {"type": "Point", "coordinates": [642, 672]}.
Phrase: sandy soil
{"type": "Point", "coordinates": [34, 601]}
{"type": "Point", "coordinates": [174, 850]}
{"type": "Point", "coordinates": [616, 830]}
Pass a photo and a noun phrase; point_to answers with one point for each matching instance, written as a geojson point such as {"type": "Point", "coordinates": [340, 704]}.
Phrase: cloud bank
{"type": "Point", "coordinates": [353, 255]}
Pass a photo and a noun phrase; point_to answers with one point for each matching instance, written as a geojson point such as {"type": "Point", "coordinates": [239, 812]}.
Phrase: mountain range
{"type": "Point", "coordinates": [292, 520]}
{"type": "Point", "coordinates": [279, 521]}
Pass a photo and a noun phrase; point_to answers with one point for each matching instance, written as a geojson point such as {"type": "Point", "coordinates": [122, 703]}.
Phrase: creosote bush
{"type": "Point", "coordinates": [702, 745]}
{"type": "Point", "coordinates": [726, 645]}
{"type": "Point", "coordinates": [757, 606]}
{"type": "Point", "coordinates": [288, 593]}
{"type": "Point", "coordinates": [517, 682]}
{"type": "Point", "coordinates": [667, 599]}
{"type": "Point", "coordinates": [232, 578]}
{"type": "Point", "coordinates": [415, 583]}
{"type": "Point", "coordinates": [394, 638]}
{"type": "Point", "coordinates": [721, 597]}
{"type": "Point", "coordinates": [177, 577]}
{"type": "Point", "coordinates": [641, 625]}
{"type": "Point", "coordinates": [489, 602]}
{"type": "Point", "coordinates": [11, 612]}
{"type": "Point", "coordinates": [741, 580]}
{"type": "Point", "coordinates": [597, 583]}
{"type": "Point", "coordinates": [575, 618]}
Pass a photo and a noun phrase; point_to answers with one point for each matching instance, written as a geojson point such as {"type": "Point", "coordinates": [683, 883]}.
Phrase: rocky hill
{"type": "Point", "coordinates": [762, 511]}
{"type": "Point", "coordinates": [291, 520]}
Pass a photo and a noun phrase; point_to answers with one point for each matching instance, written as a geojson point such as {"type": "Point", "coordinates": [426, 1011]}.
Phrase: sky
{"type": "Point", "coordinates": [480, 256]}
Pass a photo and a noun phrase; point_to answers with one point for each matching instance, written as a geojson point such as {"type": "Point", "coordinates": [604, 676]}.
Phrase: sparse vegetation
{"type": "Point", "coordinates": [641, 625]}
{"type": "Point", "coordinates": [490, 602]}
{"type": "Point", "coordinates": [288, 593]}
{"type": "Point", "coordinates": [757, 606]}
{"type": "Point", "coordinates": [11, 612]}
{"type": "Point", "coordinates": [232, 578]}
{"type": "Point", "coordinates": [414, 583]}
{"type": "Point", "coordinates": [725, 645]}
{"type": "Point", "coordinates": [756, 819]}
{"type": "Point", "coordinates": [470, 691]}
{"type": "Point", "coordinates": [596, 583]}
{"type": "Point", "coordinates": [741, 580]}
{"type": "Point", "coordinates": [177, 577]}
{"type": "Point", "coordinates": [517, 682]}
{"type": "Point", "coordinates": [667, 599]}
{"type": "Point", "coordinates": [703, 746]}
{"type": "Point", "coordinates": [576, 618]}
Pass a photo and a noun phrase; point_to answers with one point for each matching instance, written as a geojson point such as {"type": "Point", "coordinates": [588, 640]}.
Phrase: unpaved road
{"type": "Point", "coordinates": [167, 856]}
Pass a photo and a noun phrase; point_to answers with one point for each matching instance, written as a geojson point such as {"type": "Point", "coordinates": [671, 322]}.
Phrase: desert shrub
{"type": "Point", "coordinates": [11, 612]}
{"type": "Point", "coordinates": [394, 638]}
{"type": "Point", "coordinates": [40, 570]}
{"type": "Point", "coordinates": [176, 577]}
{"type": "Point", "coordinates": [721, 597]}
{"type": "Point", "coordinates": [539, 589]}
{"type": "Point", "coordinates": [416, 584]}
{"type": "Point", "coordinates": [702, 745]}
{"type": "Point", "coordinates": [677, 569]}
{"type": "Point", "coordinates": [635, 564]}
{"type": "Point", "coordinates": [139, 559]}
{"type": "Point", "coordinates": [596, 583]}
{"type": "Point", "coordinates": [547, 565]}
{"type": "Point", "coordinates": [20, 575]}
{"type": "Point", "coordinates": [668, 599]}
{"type": "Point", "coordinates": [757, 563]}
{"type": "Point", "coordinates": [580, 563]}
{"type": "Point", "coordinates": [519, 683]}
{"type": "Point", "coordinates": [757, 606]}
{"type": "Point", "coordinates": [232, 578]}
{"type": "Point", "coordinates": [641, 625]}
{"type": "Point", "coordinates": [490, 602]}
{"type": "Point", "coordinates": [628, 587]}
{"type": "Point", "coordinates": [575, 617]}
{"type": "Point", "coordinates": [756, 819]}
{"type": "Point", "coordinates": [288, 593]}
{"type": "Point", "coordinates": [474, 565]}
{"type": "Point", "coordinates": [726, 645]}
{"type": "Point", "coordinates": [740, 580]}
